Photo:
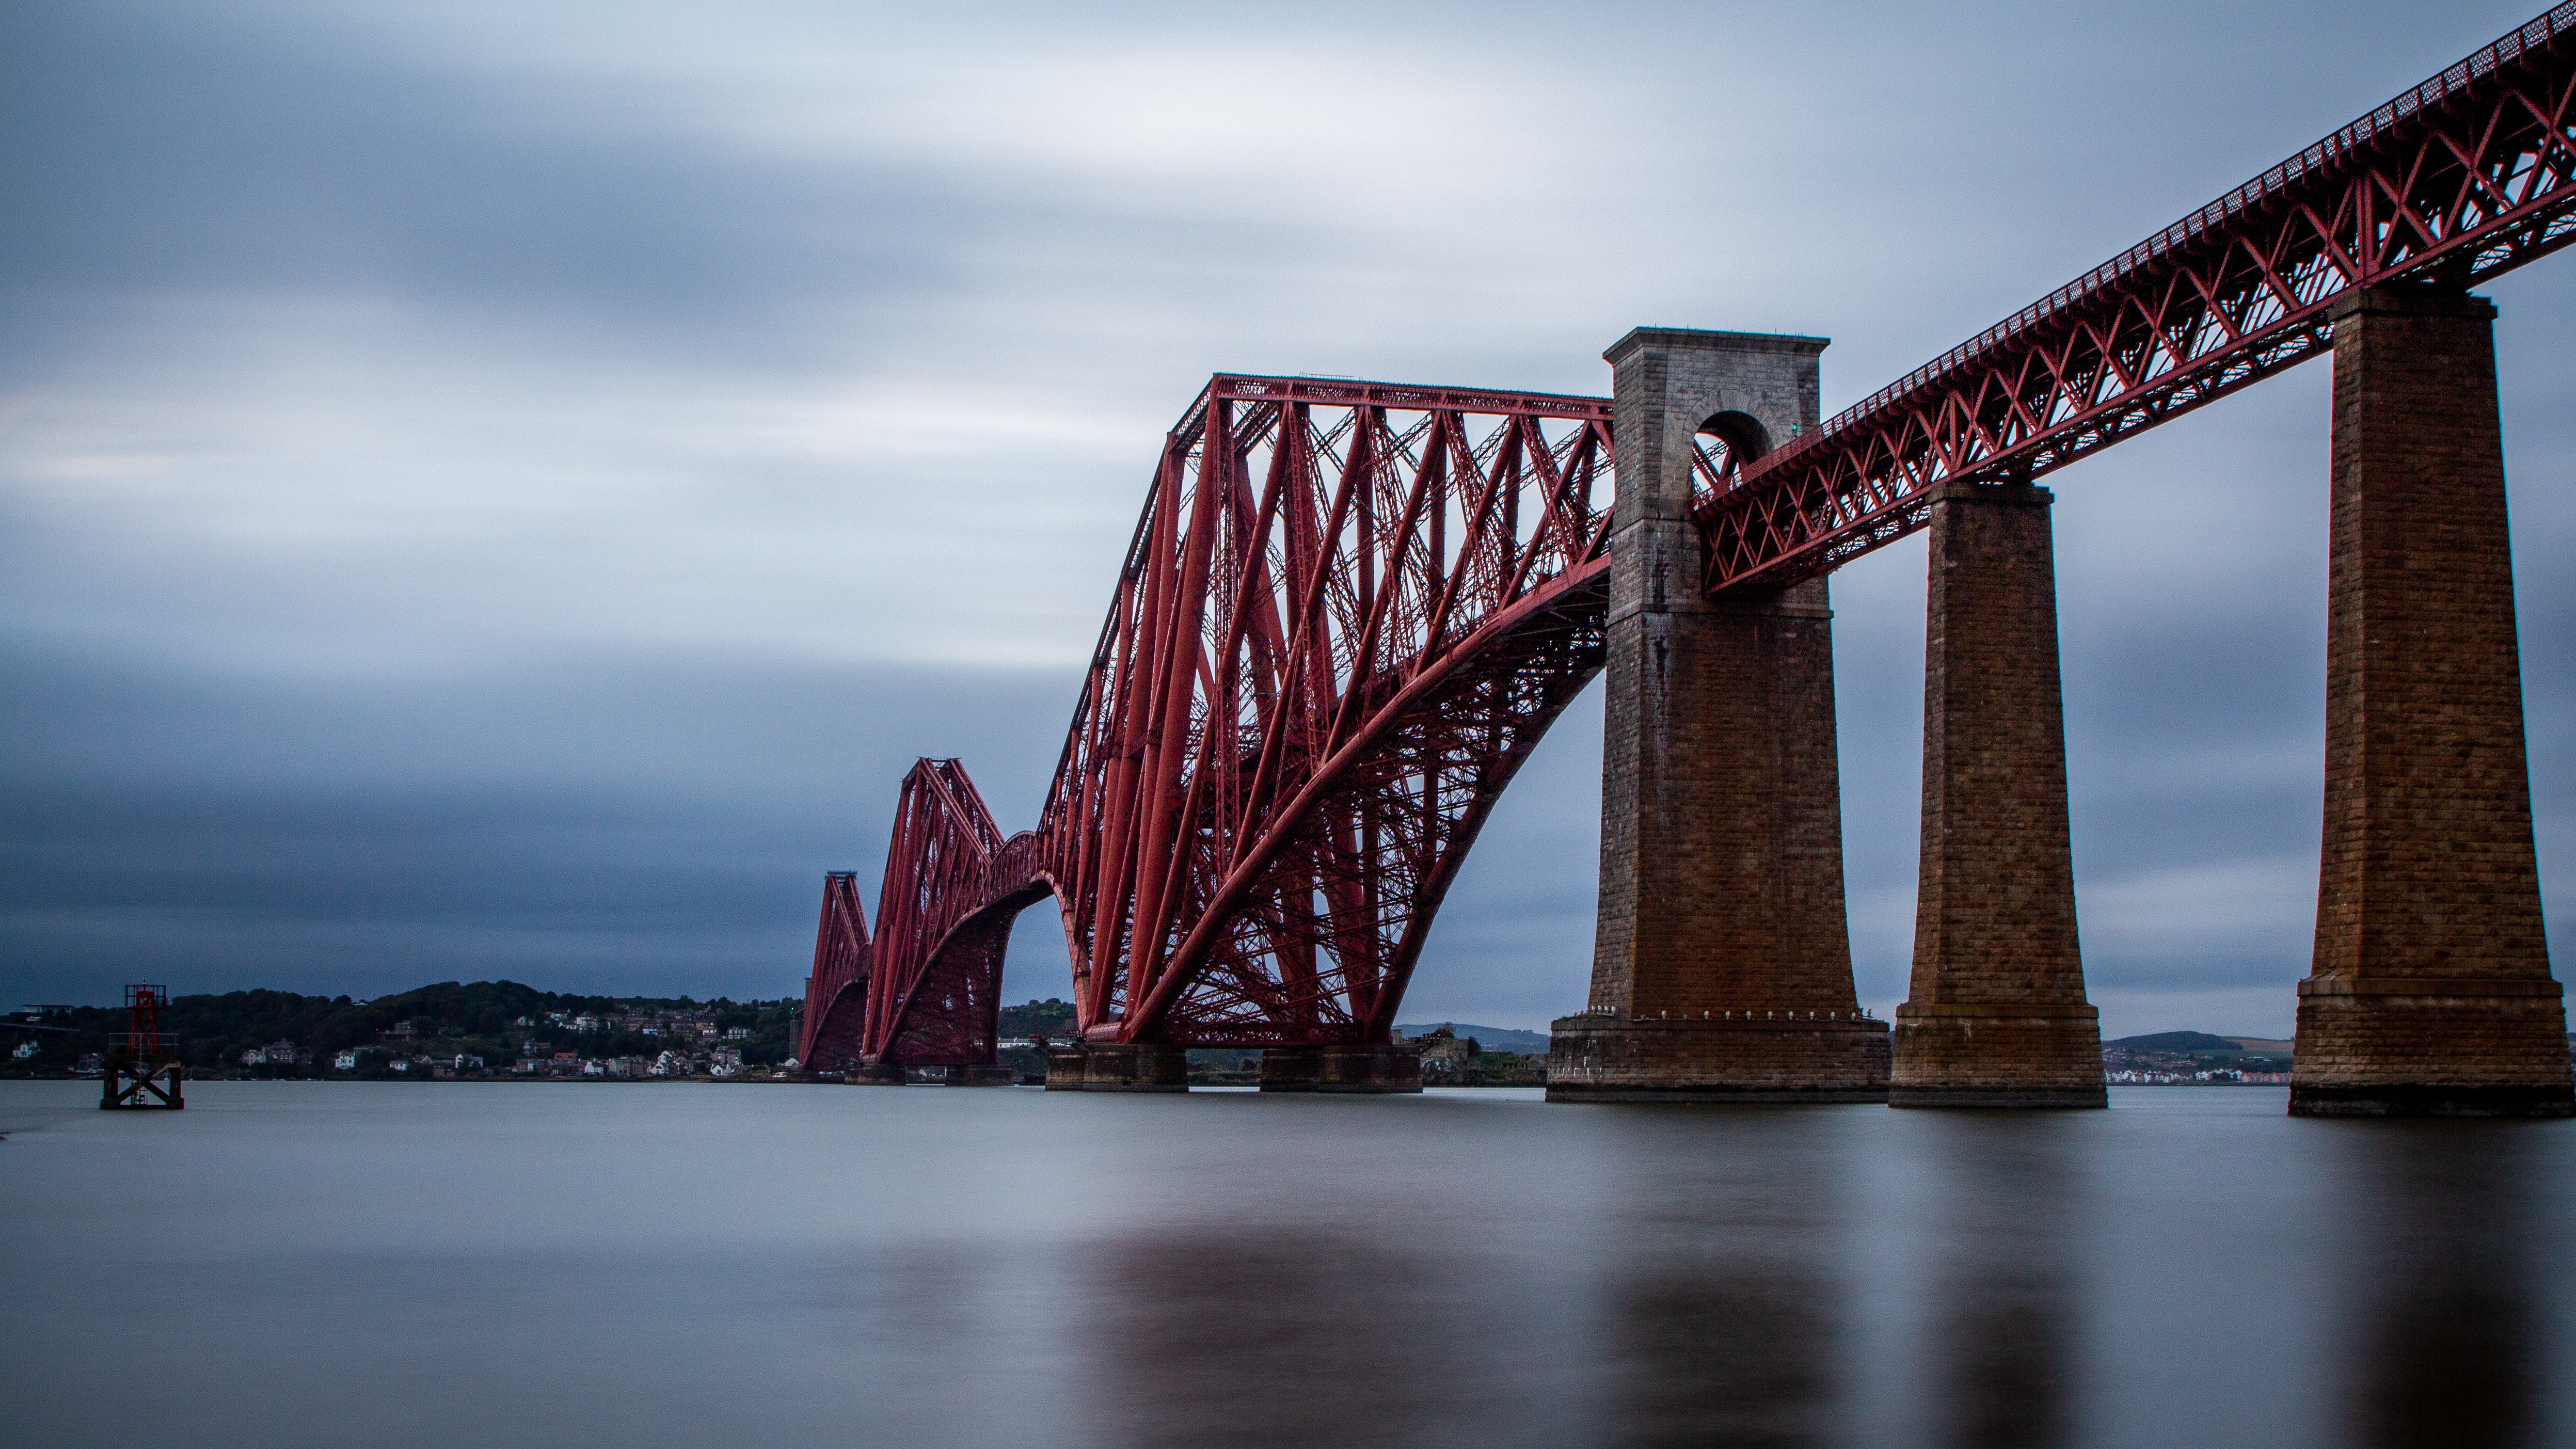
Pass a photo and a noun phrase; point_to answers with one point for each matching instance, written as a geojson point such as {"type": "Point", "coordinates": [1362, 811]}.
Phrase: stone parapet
{"type": "Point", "coordinates": [1776, 1056]}
{"type": "Point", "coordinates": [1353, 1068]}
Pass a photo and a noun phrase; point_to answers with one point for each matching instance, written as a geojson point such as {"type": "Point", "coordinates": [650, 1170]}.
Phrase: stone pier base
{"type": "Point", "coordinates": [1352, 1068]}
{"type": "Point", "coordinates": [2431, 1047]}
{"type": "Point", "coordinates": [1744, 1057]}
{"type": "Point", "coordinates": [873, 1074]}
{"type": "Point", "coordinates": [1117, 1067]}
{"type": "Point", "coordinates": [1998, 1056]}
{"type": "Point", "coordinates": [982, 1076]}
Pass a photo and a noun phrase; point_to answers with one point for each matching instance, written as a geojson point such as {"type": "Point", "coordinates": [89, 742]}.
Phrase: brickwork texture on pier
{"type": "Point", "coordinates": [1996, 1015]}
{"type": "Point", "coordinates": [2431, 991]}
{"type": "Point", "coordinates": [1721, 911]}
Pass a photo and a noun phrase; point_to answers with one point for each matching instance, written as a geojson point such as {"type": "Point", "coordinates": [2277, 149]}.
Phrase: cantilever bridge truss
{"type": "Point", "coordinates": [1347, 615]}
{"type": "Point", "coordinates": [1351, 609]}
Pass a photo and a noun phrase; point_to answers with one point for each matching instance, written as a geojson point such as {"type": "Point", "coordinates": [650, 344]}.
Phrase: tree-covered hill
{"type": "Point", "coordinates": [481, 1017]}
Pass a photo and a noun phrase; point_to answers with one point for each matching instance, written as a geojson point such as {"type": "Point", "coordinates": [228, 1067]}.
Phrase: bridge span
{"type": "Point", "coordinates": [1350, 610]}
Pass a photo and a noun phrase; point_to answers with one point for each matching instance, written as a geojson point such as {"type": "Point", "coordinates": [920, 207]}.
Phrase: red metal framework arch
{"type": "Point", "coordinates": [833, 1034]}
{"type": "Point", "coordinates": [1305, 700]}
{"type": "Point", "coordinates": [1348, 613]}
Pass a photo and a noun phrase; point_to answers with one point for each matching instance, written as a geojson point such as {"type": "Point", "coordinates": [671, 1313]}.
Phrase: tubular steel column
{"type": "Point", "coordinates": [1997, 1015]}
{"type": "Point", "coordinates": [2431, 993]}
{"type": "Point", "coordinates": [1721, 965]}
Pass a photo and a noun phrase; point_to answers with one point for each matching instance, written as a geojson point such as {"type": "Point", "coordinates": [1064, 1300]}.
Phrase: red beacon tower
{"type": "Point", "coordinates": [143, 1071]}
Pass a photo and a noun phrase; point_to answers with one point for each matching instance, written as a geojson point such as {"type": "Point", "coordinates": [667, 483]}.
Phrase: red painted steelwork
{"type": "Point", "coordinates": [952, 885]}
{"type": "Point", "coordinates": [836, 995]}
{"type": "Point", "coordinates": [1348, 612]}
{"type": "Point", "coordinates": [1351, 608]}
{"type": "Point", "coordinates": [2470, 174]}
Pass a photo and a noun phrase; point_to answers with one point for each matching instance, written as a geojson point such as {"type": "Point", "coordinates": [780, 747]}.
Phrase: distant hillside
{"type": "Point", "coordinates": [1491, 1038]}
{"type": "Point", "coordinates": [2172, 1041]}
{"type": "Point", "coordinates": [475, 1017]}
{"type": "Point", "coordinates": [2199, 1043]}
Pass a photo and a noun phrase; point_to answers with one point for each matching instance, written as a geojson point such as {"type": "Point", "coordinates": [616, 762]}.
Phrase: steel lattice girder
{"type": "Point", "coordinates": [2470, 174]}
{"type": "Point", "coordinates": [930, 1001]}
{"type": "Point", "coordinates": [833, 1024]}
{"type": "Point", "coordinates": [1300, 710]}
{"type": "Point", "coordinates": [1347, 613]}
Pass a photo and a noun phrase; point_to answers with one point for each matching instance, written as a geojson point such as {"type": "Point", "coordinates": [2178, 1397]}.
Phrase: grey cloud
{"type": "Point", "coordinates": [172, 153]}
{"type": "Point", "coordinates": [609, 824]}
{"type": "Point", "coordinates": [532, 714]}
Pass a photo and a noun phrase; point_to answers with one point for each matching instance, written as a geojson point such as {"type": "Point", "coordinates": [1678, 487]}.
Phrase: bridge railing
{"type": "Point", "coordinates": [2466, 175]}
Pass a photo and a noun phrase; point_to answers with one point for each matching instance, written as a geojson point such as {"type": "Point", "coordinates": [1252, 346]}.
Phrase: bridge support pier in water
{"type": "Point", "coordinates": [1353, 1068]}
{"type": "Point", "coordinates": [1996, 1016]}
{"type": "Point", "coordinates": [1721, 966]}
{"type": "Point", "coordinates": [1095, 1066]}
{"type": "Point", "coordinates": [2431, 993]}
{"type": "Point", "coordinates": [988, 1075]}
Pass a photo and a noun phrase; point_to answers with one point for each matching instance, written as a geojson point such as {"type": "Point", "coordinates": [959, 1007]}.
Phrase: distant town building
{"type": "Point", "coordinates": [1445, 1054]}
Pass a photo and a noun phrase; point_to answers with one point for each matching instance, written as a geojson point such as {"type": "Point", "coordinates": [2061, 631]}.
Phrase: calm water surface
{"type": "Point", "coordinates": [336, 1264]}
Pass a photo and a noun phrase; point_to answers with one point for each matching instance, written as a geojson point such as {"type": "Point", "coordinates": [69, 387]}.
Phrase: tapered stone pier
{"type": "Point", "coordinates": [1721, 967]}
{"type": "Point", "coordinates": [2431, 992]}
{"type": "Point", "coordinates": [1997, 1015]}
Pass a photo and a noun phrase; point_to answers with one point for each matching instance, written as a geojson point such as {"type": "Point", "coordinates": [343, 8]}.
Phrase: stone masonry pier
{"type": "Point", "coordinates": [2431, 992]}
{"type": "Point", "coordinates": [1721, 966]}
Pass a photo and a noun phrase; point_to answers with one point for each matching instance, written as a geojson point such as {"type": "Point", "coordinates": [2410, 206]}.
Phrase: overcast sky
{"type": "Point", "coordinates": [505, 491]}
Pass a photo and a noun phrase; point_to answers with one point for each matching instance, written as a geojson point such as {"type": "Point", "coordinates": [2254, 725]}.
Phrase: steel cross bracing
{"type": "Point", "coordinates": [833, 1032]}
{"type": "Point", "coordinates": [2470, 174]}
{"type": "Point", "coordinates": [1347, 614]}
{"type": "Point", "coordinates": [1351, 608]}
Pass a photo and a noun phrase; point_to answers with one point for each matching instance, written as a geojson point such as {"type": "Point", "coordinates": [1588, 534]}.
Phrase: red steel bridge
{"type": "Point", "coordinates": [1350, 610]}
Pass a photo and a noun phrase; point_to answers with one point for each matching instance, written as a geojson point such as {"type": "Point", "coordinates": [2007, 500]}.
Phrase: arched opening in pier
{"type": "Point", "coordinates": [1725, 442]}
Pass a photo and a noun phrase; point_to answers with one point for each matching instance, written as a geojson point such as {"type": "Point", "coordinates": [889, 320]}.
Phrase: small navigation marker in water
{"type": "Point", "coordinates": [143, 1069]}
